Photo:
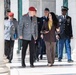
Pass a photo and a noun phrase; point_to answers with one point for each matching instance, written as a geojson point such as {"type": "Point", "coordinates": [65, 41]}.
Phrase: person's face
{"type": "Point", "coordinates": [32, 13]}
{"type": "Point", "coordinates": [10, 17]}
{"type": "Point", "coordinates": [50, 17]}
{"type": "Point", "coordinates": [7, 14]}
{"type": "Point", "coordinates": [46, 13]}
{"type": "Point", "coordinates": [64, 12]}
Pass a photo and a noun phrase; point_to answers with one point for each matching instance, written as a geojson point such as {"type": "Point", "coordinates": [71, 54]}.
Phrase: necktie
{"type": "Point", "coordinates": [31, 18]}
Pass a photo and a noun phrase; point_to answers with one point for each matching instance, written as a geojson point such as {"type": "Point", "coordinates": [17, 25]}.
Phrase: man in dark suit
{"type": "Point", "coordinates": [44, 20]}
{"type": "Point", "coordinates": [28, 32]}
{"type": "Point", "coordinates": [65, 34]}
{"type": "Point", "coordinates": [37, 44]}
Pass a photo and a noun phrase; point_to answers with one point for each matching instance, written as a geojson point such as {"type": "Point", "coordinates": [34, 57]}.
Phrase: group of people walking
{"type": "Point", "coordinates": [40, 34]}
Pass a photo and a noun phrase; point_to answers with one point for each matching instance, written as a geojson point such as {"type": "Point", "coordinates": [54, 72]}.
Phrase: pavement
{"type": "Point", "coordinates": [41, 68]}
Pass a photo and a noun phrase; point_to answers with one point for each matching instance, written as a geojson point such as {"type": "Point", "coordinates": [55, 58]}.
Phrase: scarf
{"type": "Point", "coordinates": [50, 24]}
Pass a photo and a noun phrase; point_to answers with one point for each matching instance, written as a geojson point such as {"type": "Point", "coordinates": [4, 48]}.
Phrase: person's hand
{"type": "Point", "coordinates": [58, 30]}
{"type": "Point", "coordinates": [57, 37]}
{"type": "Point", "coordinates": [71, 37]}
{"type": "Point", "coordinates": [20, 37]}
{"type": "Point", "coordinates": [42, 36]}
{"type": "Point", "coordinates": [46, 32]}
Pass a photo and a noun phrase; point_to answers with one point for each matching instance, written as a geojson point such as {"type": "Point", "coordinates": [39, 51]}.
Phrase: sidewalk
{"type": "Point", "coordinates": [41, 68]}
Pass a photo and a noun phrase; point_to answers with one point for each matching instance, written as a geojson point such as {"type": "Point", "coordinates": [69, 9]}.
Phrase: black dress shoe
{"type": "Point", "coordinates": [37, 59]}
{"type": "Point", "coordinates": [10, 61]}
{"type": "Point", "coordinates": [41, 57]}
{"type": "Point", "coordinates": [23, 65]}
{"type": "Point", "coordinates": [59, 60]}
{"type": "Point", "coordinates": [69, 61]}
{"type": "Point", "coordinates": [31, 65]}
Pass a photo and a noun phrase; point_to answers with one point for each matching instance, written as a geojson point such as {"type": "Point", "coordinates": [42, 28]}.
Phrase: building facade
{"type": "Point", "coordinates": [23, 5]}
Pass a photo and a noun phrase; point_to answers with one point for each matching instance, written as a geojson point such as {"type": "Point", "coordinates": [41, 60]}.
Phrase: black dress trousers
{"type": "Point", "coordinates": [31, 48]}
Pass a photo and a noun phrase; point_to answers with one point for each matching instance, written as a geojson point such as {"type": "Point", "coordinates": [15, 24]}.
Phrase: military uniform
{"type": "Point", "coordinates": [65, 36]}
{"type": "Point", "coordinates": [44, 20]}
{"type": "Point", "coordinates": [28, 29]}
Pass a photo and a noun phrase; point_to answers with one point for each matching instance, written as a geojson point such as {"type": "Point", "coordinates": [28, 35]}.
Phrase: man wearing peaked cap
{"type": "Point", "coordinates": [64, 8]}
{"type": "Point", "coordinates": [65, 35]}
{"type": "Point", "coordinates": [28, 32]}
{"type": "Point", "coordinates": [32, 8]}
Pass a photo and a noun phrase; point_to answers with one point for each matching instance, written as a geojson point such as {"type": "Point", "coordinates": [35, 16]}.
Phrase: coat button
{"type": "Point", "coordinates": [26, 23]}
{"type": "Point", "coordinates": [59, 23]}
